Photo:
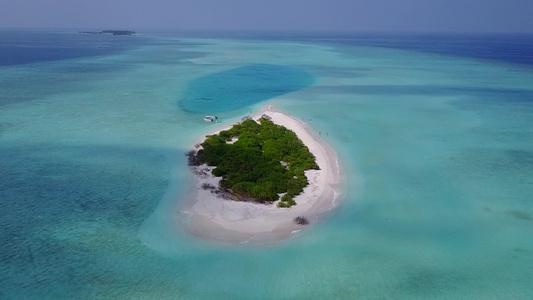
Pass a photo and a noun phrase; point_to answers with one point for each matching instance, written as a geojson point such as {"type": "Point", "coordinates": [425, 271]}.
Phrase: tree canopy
{"type": "Point", "coordinates": [266, 160]}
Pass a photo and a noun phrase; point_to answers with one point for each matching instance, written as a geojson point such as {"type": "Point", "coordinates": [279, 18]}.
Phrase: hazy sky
{"type": "Point", "coordinates": [337, 15]}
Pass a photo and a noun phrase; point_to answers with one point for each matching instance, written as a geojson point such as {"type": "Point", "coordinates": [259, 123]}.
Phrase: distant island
{"type": "Point", "coordinates": [111, 32]}
{"type": "Point", "coordinates": [257, 161]}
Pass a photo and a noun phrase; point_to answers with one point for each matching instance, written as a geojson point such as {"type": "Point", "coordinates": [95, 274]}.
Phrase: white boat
{"type": "Point", "coordinates": [211, 119]}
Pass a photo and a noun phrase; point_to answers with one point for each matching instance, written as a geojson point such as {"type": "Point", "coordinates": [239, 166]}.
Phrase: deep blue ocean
{"type": "Point", "coordinates": [510, 48]}
{"type": "Point", "coordinates": [434, 132]}
{"type": "Point", "coordinates": [48, 46]}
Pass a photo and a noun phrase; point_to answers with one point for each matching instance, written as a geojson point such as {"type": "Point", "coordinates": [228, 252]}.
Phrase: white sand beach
{"type": "Point", "coordinates": [208, 216]}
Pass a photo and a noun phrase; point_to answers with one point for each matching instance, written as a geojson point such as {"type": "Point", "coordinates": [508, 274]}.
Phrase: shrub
{"type": "Point", "coordinates": [301, 220]}
{"type": "Point", "coordinates": [192, 158]}
{"type": "Point", "coordinates": [286, 197]}
{"type": "Point", "coordinates": [283, 204]}
{"type": "Point", "coordinates": [208, 186]}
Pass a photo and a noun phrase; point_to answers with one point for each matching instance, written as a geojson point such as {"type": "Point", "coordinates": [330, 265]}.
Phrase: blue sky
{"type": "Point", "coordinates": [309, 15]}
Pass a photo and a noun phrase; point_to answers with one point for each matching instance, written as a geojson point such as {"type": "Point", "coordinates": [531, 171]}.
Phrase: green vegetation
{"type": "Point", "coordinates": [266, 160]}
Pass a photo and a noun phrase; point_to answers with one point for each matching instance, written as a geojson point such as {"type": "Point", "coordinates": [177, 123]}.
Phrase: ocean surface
{"type": "Point", "coordinates": [434, 133]}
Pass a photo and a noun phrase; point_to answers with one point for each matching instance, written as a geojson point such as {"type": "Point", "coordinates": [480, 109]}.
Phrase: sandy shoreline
{"type": "Point", "coordinates": [207, 216]}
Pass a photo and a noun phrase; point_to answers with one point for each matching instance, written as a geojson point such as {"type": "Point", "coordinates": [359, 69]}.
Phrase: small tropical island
{"type": "Point", "coordinates": [257, 161]}
{"type": "Point", "coordinates": [110, 32]}
{"type": "Point", "coordinates": [261, 180]}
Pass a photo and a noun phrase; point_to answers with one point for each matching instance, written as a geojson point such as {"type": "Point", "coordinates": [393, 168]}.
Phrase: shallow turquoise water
{"type": "Point", "coordinates": [437, 149]}
{"type": "Point", "coordinates": [240, 87]}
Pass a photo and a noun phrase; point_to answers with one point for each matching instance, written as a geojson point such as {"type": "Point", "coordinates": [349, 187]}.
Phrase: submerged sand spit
{"type": "Point", "coordinates": [208, 215]}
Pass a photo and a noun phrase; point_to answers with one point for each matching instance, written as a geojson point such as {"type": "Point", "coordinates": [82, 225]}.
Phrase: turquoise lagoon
{"type": "Point", "coordinates": [438, 152]}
